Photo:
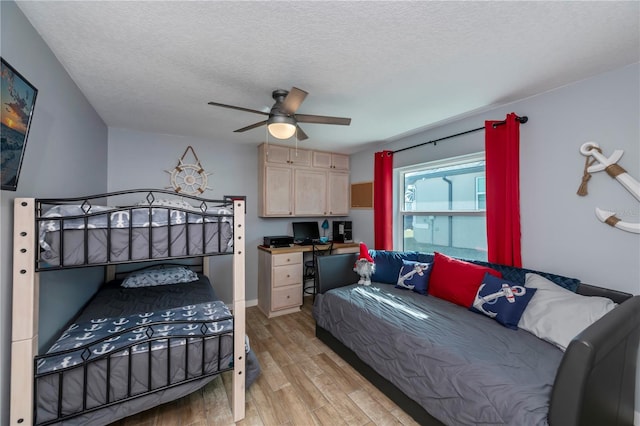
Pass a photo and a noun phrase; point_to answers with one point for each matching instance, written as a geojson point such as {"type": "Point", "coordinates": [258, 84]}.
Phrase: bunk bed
{"type": "Point", "coordinates": [129, 349]}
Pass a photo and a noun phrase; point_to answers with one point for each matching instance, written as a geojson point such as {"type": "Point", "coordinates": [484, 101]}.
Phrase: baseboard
{"type": "Point", "coordinates": [254, 302]}
{"type": "Point", "coordinates": [636, 419]}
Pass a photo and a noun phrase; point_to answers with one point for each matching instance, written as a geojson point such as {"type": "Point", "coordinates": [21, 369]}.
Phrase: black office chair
{"type": "Point", "coordinates": [310, 266]}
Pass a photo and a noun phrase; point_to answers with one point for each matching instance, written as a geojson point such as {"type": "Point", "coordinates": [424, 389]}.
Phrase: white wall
{"type": "Point", "coordinates": [65, 156]}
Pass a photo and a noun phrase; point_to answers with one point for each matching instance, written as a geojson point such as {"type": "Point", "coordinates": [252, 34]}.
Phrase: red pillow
{"type": "Point", "coordinates": [456, 280]}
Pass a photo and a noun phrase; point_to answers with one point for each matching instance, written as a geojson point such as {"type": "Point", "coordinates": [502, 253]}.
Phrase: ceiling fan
{"type": "Point", "coordinates": [283, 120]}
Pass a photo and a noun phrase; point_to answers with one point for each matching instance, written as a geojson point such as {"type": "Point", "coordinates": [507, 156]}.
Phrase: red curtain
{"type": "Point", "coordinates": [502, 150]}
{"type": "Point", "coordinates": [383, 200]}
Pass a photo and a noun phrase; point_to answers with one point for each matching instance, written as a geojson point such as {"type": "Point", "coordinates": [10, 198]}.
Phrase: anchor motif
{"type": "Point", "coordinates": [121, 217]}
{"type": "Point", "coordinates": [93, 327]}
{"type": "Point", "coordinates": [98, 321]}
{"type": "Point", "coordinates": [115, 330]}
{"type": "Point", "coordinates": [105, 349]}
{"type": "Point", "coordinates": [615, 171]}
{"type": "Point", "coordinates": [72, 327]}
{"type": "Point", "coordinates": [146, 315]}
{"type": "Point", "coordinates": [121, 321]}
{"type": "Point", "coordinates": [189, 314]}
{"type": "Point", "coordinates": [507, 292]}
{"type": "Point", "coordinates": [85, 336]}
{"type": "Point", "coordinates": [137, 337]}
{"type": "Point", "coordinates": [168, 314]}
{"type": "Point", "coordinates": [65, 362]}
{"type": "Point", "coordinates": [113, 339]}
{"type": "Point", "coordinates": [216, 328]}
{"type": "Point", "coordinates": [165, 328]}
{"type": "Point", "coordinates": [143, 321]}
{"type": "Point", "coordinates": [190, 327]}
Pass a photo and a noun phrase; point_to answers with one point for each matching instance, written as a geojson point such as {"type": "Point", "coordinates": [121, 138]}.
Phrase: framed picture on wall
{"type": "Point", "coordinates": [18, 100]}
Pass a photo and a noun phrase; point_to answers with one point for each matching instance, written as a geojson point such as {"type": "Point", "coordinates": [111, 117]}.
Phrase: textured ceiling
{"type": "Point", "coordinates": [393, 67]}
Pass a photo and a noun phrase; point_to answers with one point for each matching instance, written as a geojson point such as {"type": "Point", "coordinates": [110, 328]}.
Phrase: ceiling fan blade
{"type": "Point", "coordinates": [238, 108]}
{"type": "Point", "coordinates": [301, 134]}
{"type": "Point", "coordinates": [253, 126]}
{"type": "Point", "coordinates": [322, 119]}
{"type": "Point", "coordinates": [293, 100]}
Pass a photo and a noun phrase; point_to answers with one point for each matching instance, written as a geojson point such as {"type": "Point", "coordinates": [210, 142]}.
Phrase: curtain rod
{"type": "Point", "coordinates": [522, 120]}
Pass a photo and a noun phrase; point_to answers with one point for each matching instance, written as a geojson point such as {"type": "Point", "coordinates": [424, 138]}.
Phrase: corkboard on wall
{"type": "Point", "coordinates": [362, 195]}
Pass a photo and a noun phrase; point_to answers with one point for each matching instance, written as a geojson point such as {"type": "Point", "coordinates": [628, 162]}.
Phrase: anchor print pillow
{"type": "Point", "coordinates": [502, 300]}
{"type": "Point", "coordinates": [414, 276]}
{"type": "Point", "coordinates": [164, 276]}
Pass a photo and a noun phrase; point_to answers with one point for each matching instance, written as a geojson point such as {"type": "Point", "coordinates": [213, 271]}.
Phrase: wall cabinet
{"type": "Point", "coordinates": [299, 182]}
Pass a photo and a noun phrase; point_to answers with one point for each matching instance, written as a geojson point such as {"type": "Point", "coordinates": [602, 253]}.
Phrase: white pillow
{"type": "Point", "coordinates": [556, 314]}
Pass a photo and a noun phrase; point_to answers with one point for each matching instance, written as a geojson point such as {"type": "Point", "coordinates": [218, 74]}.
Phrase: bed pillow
{"type": "Point", "coordinates": [502, 300]}
{"type": "Point", "coordinates": [414, 276]}
{"type": "Point", "coordinates": [388, 264]}
{"type": "Point", "coordinates": [163, 276]}
{"type": "Point", "coordinates": [558, 315]}
{"type": "Point", "coordinates": [456, 280]}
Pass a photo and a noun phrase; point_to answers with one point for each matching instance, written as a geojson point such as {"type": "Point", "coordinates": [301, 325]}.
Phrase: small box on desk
{"type": "Point", "coordinates": [278, 241]}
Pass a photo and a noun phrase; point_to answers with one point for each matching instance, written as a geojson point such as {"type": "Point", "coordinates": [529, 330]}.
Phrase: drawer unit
{"type": "Point", "coordinates": [279, 283]}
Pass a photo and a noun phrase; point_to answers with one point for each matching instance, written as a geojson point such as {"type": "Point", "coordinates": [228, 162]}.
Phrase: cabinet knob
{"type": "Point", "coordinates": [288, 276]}
{"type": "Point", "coordinates": [288, 297]}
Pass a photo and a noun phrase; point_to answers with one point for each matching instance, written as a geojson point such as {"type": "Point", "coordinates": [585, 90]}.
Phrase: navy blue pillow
{"type": "Point", "coordinates": [518, 275]}
{"type": "Point", "coordinates": [414, 276]}
{"type": "Point", "coordinates": [502, 300]}
{"type": "Point", "coordinates": [388, 264]}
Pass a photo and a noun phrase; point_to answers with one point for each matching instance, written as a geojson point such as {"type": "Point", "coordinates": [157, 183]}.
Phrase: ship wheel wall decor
{"type": "Point", "coordinates": [189, 178]}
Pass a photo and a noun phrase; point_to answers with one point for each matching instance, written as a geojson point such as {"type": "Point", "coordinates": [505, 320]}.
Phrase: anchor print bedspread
{"type": "Point", "coordinates": [100, 336]}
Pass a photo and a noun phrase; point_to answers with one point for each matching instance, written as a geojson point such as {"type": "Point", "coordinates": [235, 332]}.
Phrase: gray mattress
{"type": "Point", "coordinates": [113, 301]}
{"type": "Point", "coordinates": [461, 367]}
{"type": "Point", "coordinates": [166, 241]}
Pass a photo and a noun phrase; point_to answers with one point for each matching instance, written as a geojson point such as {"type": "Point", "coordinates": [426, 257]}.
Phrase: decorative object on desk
{"type": "Point", "coordinates": [18, 100]}
{"type": "Point", "coordinates": [325, 226]}
{"type": "Point", "coordinates": [190, 179]}
{"type": "Point", "coordinates": [599, 163]}
{"type": "Point", "coordinates": [364, 265]}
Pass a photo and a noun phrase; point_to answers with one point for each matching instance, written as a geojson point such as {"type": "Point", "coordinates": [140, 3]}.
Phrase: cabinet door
{"type": "Point", "coordinates": [299, 157]}
{"type": "Point", "coordinates": [278, 183]}
{"type": "Point", "coordinates": [338, 194]}
{"type": "Point", "coordinates": [310, 192]}
{"type": "Point", "coordinates": [276, 154]}
{"type": "Point", "coordinates": [339, 162]}
{"type": "Point", "coordinates": [322, 159]}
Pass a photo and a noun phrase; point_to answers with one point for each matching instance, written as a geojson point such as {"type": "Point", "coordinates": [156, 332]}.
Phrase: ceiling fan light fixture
{"type": "Point", "coordinates": [281, 126]}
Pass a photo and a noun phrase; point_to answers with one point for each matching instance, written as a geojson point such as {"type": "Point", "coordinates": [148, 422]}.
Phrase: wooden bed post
{"type": "Point", "coordinates": [239, 353]}
{"type": "Point", "coordinates": [24, 333]}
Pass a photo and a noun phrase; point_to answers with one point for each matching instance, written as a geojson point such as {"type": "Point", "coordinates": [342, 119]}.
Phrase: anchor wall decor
{"type": "Point", "coordinates": [600, 162]}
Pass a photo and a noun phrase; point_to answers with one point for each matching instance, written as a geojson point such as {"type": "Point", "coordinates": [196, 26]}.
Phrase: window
{"type": "Point", "coordinates": [442, 207]}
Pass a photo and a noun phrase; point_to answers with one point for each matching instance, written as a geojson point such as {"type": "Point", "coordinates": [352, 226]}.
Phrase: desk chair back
{"type": "Point", "coordinates": [311, 266]}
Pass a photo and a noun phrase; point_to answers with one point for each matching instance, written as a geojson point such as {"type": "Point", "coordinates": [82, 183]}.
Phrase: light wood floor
{"type": "Point", "coordinates": [302, 383]}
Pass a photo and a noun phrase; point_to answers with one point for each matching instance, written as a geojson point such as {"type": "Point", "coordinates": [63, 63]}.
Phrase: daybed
{"type": "Point", "coordinates": [149, 335]}
{"type": "Point", "coordinates": [445, 363]}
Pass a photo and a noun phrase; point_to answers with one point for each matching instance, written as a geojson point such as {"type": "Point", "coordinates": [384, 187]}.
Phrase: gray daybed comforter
{"type": "Point", "coordinates": [462, 367]}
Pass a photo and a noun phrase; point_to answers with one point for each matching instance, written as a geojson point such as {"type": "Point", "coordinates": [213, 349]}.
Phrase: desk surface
{"type": "Point", "coordinates": [299, 248]}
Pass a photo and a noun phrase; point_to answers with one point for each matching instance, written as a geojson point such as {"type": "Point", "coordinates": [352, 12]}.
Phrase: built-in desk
{"type": "Point", "coordinates": [280, 272]}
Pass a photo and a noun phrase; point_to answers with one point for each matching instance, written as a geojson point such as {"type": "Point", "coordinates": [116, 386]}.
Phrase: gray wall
{"type": "Point", "coordinates": [560, 232]}
{"type": "Point", "coordinates": [65, 156]}
{"type": "Point", "coordinates": [140, 160]}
